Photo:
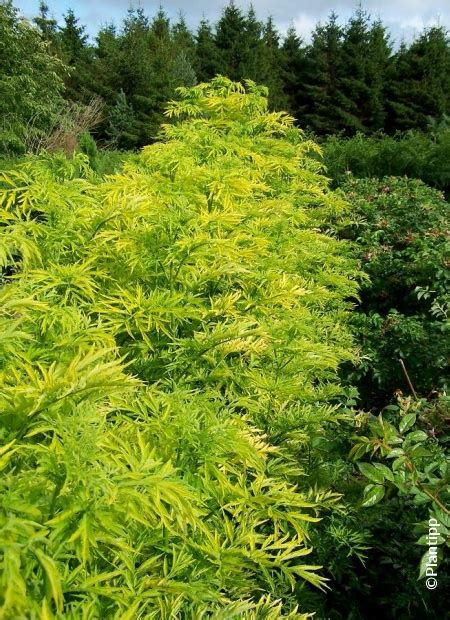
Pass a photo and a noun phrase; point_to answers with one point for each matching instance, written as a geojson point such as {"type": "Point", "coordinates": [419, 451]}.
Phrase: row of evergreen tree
{"type": "Point", "coordinates": [348, 78]}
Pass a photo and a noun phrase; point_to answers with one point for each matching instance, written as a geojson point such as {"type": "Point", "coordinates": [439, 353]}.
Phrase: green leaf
{"type": "Point", "coordinates": [425, 560]}
{"type": "Point", "coordinates": [421, 498]}
{"type": "Point", "coordinates": [416, 436]}
{"type": "Point", "coordinates": [53, 578]}
{"type": "Point", "coordinates": [395, 453]}
{"type": "Point", "coordinates": [371, 472]}
{"type": "Point", "coordinates": [399, 462]}
{"type": "Point", "coordinates": [385, 470]}
{"type": "Point", "coordinates": [423, 565]}
{"type": "Point", "coordinates": [407, 422]}
{"type": "Point", "coordinates": [423, 540]}
{"type": "Point", "coordinates": [373, 493]}
{"type": "Point", "coordinates": [441, 516]}
{"type": "Point", "coordinates": [420, 450]}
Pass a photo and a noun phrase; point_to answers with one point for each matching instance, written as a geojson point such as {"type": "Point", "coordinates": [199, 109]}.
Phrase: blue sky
{"type": "Point", "coordinates": [403, 17]}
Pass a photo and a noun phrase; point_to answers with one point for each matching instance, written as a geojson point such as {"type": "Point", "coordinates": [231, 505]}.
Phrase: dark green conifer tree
{"type": "Point", "coordinates": [47, 26]}
{"type": "Point", "coordinates": [353, 86]}
{"type": "Point", "coordinates": [206, 63]}
{"type": "Point", "coordinates": [136, 76]}
{"type": "Point", "coordinates": [121, 127]}
{"type": "Point", "coordinates": [183, 62]}
{"type": "Point", "coordinates": [419, 85]}
{"type": "Point", "coordinates": [322, 100]}
{"type": "Point", "coordinates": [230, 41]}
{"type": "Point", "coordinates": [162, 57]}
{"type": "Point", "coordinates": [379, 63]}
{"type": "Point", "coordinates": [182, 38]}
{"type": "Point", "coordinates": [366, 54]}
{"type": "Point", "coordinates": [78, 56]}
{"type": "Point", "coordinates": [271, 66]}
{"type": "Point", "coordinates": [135, 66]}
{"type": "Point", "coordinates": [107, 63]}
{"type": "Point", "coordinates": [251, 64]}
{"type": "Point", "coordinates": [73, 38]}
{"type": "Point", "coordinates": [293, 59]}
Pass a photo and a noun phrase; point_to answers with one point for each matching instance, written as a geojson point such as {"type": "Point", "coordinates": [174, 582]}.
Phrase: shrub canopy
{"type": "Point", "coordinates": [151, 323]}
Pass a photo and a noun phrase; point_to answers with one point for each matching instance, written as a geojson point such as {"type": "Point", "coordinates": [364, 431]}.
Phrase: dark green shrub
{"type": "Point", "coordinates": [402, 456]}
{"type": "Point", "coordinates": [401, 234]}
{"type": "Point", "coordinates": [424, 156]}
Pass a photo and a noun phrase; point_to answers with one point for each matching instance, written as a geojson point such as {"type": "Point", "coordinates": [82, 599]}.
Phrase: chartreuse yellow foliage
{"type": "Point", "coordinates": [150, 324]}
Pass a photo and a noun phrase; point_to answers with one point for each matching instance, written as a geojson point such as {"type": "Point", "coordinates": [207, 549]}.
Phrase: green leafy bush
{"type": "Point", "coordinates": [409, 471]}
{"type": "Point", "coordinates": [30, 84]}
{"type": "Point", "coordinates": [161, 332]}
{"type": "Point", "coordinates": [374, 555]}
{"type": "Point", "coordinates": [375, 547]}
{"type": "Point", "coordinates": [401, 233]}
{"type": "Point", "coordinates": [417, 155]}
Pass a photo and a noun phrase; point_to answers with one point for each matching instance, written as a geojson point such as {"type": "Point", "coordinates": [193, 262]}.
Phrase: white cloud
{"type": "Point", "coordinates": [304, 24]}
{"type": "Point", "coordinates": [417, 22]}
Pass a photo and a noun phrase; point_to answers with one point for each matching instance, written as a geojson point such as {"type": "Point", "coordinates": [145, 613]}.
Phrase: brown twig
{"type": "Point", "coordinates": [435, 499]}
{"type": "Point", "coordinates": [411, 387]}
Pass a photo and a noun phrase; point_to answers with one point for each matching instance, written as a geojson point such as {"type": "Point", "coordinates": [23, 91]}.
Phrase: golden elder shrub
{"type": "Point", "coordinates": [162, 330]}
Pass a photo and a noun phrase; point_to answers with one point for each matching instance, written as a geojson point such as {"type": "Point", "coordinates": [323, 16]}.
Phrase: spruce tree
{"type": "Point", "coordinates": [136, 71]}
{"type": "Point", "coordinates": [401, 109]}
{"type": "Point", "coordinates": [107, 63]}
{"type": "Point", "coordinates": [271, 66]}
{"type": "Point", "coordinates": [73, 38]}
{"type": "Point", "coordinates": [230, 40]}
{"type": "Point", "coordinates": [322, 100]}
{"type": "Point", "coordinates": [183, 62]}
{"type": "Point", "coordinates": [78, 56]}
{"type": "Point", "coordinates": [293, 61]}
{"type": "Point", "coordinates": [162, 56]}
{"type": "Point", "coordinates": [206, 61]}
{"type": "Point", "coordinates": [47, 26]}
{"type": "Point", "coordinates": [378, 67]}
{"type": "Point", "coordinates": [183, 39]}
{"type": "Point", "coordinates": [366, 53]}
{"type": "Point", "coordinates": [419, 88]}
{"type": "Point", "coordinates": [251, 65]}
{"type": "Point", "coordinates": [121, 129]}
{"type": "Point", "coordinates": [353, 86]}
{"type": "Point", "coordinates": [135, 67]}
{"type": "Point", "coordinates": [182, 73]}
